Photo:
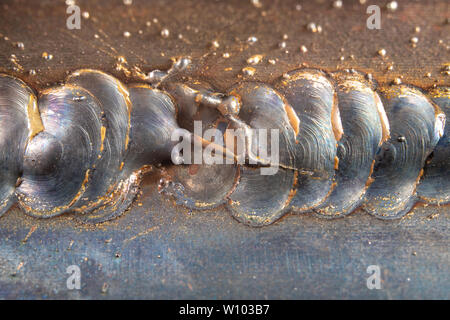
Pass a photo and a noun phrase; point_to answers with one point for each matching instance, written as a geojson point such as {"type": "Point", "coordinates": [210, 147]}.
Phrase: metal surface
{"type": "Point", "coordinates": [159, 250]}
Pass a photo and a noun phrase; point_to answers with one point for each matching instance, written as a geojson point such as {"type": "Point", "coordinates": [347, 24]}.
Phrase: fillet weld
{"type": "Point", "coordinates": [119, 195]}
{"type": "Point", "coordinates": [34, 118]}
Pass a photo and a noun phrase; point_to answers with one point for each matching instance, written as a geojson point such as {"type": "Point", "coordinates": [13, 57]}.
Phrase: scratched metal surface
{"type": "Point", "coordinates": [158, 250]}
